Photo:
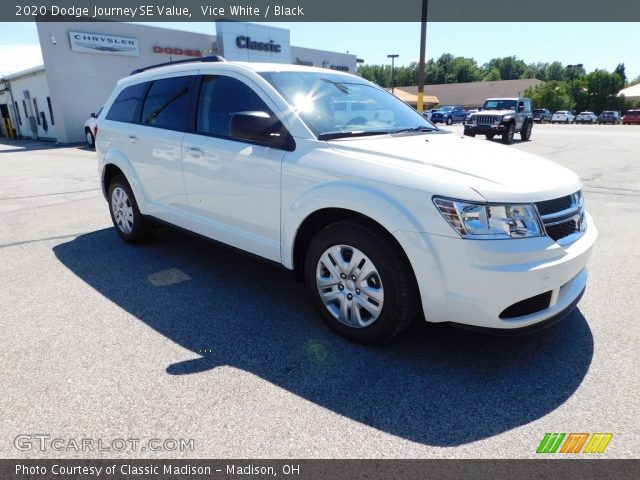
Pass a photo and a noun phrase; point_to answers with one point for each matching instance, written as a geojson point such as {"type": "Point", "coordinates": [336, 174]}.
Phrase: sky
{"type": "Point", "coordinates": [595, 45]}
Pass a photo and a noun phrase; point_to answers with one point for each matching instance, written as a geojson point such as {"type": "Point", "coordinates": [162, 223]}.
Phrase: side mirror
{"type": "Point", "coordinates": [93, 115]}
{"type": "Point", "coordinates": [261, 128]}
{"type": "Point", "coordinates": [521, 108]}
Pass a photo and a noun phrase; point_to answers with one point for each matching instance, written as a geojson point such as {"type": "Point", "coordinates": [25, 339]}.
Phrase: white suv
{"type": "Point", "coordinates": [383, 214]}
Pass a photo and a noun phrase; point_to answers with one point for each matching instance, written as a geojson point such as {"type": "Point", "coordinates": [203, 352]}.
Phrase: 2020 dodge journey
{"type": "Point", "coordinates": [382, 213]}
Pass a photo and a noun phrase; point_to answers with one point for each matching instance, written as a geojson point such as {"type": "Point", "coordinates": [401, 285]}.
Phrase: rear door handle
{"type": "Point", "coordinates": [195, 151]}
{"type": "Point", "coordinates": [133, 139]}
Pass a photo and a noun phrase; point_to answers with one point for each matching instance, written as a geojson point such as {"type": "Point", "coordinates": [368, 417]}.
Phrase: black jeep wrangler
{"type": "Point", "coordinates": [502, 116]}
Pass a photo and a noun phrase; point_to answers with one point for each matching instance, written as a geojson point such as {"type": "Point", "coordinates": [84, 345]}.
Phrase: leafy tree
{"type": "Point", "coordinates": [553, 95]}
{"type": "Point", "coordinates": [601, 89]}
{"type": "Point", "coordinates": [555, 71]}
{"type": "Point", "coordinates": [621, 71]}
{"type": "Point", "coordinates": [492, 75]}
{"type": "Point", "coordinates": [510, 68]}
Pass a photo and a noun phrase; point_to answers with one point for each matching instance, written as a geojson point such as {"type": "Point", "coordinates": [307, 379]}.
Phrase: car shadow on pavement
{"type": "Point", "coordinates": [435, 384]}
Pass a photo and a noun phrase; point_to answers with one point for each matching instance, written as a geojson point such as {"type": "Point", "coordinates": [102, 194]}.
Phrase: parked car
{"type": "Point", "coordinates": [541, 115]}
{"type": "Point", "coordinates": [449, 114]}
{"type": "Point", "coordinates": [609, 116]}
{"type": "Point", "coordinates": [586, 117]}
{"type": "Point", "coordinates": [631, 116]}
{"type": "Point", "coordinates": [563, 116]}
{"type": "Point", "coordinates": [91, 127]}
{"type": "Point", "coordinates": [502, 116]}
{"type": "Point", "coordinates": [381, 219]}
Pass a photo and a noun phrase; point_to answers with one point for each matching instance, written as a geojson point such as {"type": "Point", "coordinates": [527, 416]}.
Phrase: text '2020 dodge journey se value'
{"type": "Point", "coordinates": [381, 212]}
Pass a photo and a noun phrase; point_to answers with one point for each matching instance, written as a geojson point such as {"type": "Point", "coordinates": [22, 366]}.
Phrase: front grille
{"type": "Point", "coordinates": [562, 216]}
{"type": "Point", "coordinates": [554, 206]}
{"type": "Point", "coordinates": [486, 119]}
{"type": "Point", "coordinates": [527, 306]}
{"type": "Point", "coordinates": [562, 230]}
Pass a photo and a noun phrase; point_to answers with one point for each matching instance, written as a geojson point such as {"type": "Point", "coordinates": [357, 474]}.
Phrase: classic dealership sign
{"type": "Point", "coordinates": [106, 44]}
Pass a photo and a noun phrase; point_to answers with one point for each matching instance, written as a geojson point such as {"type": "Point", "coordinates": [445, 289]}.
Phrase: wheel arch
{"type": "Point", "coordinates": [116, 163]}
{"type": "Point", "coordinates": [319, 219]}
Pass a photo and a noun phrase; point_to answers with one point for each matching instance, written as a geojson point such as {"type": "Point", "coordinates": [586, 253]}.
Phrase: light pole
{"type": "Point", "coordinates": [392, 57]}
{"type": "Point", "coordinates": [572, 76]}
{"type": "Point", "coordinates": [423, 46]}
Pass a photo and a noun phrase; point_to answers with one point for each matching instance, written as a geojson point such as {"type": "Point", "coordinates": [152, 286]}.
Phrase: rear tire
{"type": "Point", "coordinates": [125, 214]}
{"type": "Point", "coordinates": [91, 142]}
{"type": "Point", "coordinates": [525, 134]}
{"type": "Point", "coordinates": [382, 300]}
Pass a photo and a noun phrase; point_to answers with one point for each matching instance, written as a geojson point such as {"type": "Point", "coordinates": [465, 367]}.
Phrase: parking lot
{"type": "Point", "coordinates": [185, 339]}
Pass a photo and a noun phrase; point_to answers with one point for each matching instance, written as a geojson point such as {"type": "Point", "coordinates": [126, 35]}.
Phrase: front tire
{"type": "Point", "coordinates": [507, 136]}
{"type": "Point", "coordinates": [449, 121]}
{"type": "Point", "coordinates": [125, 214]}
{"type": "Point", "coordinates": [489, 136]}
{"type": "Point", "coordinates": [361, 283]}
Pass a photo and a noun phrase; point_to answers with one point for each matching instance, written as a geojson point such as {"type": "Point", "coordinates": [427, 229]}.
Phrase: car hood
{"type": "Point", "coordinates": [441, 163]}
{"type": "Point", "coordinates": [495, 112]}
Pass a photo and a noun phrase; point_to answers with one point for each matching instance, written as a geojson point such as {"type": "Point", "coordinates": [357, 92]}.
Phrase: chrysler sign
{"type": "Point", "coordinates": [105, 44]}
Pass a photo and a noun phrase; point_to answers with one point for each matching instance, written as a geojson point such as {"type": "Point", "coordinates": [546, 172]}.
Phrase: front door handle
{"type": "Point", "coordinates": [195, 151]}
{"type": "Point", "coordinates": [133, 139]}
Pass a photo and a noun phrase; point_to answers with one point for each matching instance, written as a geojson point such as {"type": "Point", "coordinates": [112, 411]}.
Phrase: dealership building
{"type": "Point", "coordinates": [84, 60]}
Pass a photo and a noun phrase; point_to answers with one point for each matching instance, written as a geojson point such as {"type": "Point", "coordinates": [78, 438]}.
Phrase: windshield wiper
{"type": "Point", "coordinates": [420, 128]}
{"type": "Point", "coordinates": [353, 133]}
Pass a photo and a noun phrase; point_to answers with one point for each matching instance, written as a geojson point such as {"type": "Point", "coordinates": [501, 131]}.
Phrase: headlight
{"type": "Point", "coordinates": [497, 120]}
{"type": "Point", "coordinates": [484, 221]}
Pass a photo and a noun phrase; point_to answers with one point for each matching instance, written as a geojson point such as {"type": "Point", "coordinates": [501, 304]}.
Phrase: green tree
{"type": "Point", "coordinates": [554, 71]}
{"type": "Point", "coordinates": [553, 95]}
{"type": "Point", "coordinates": [601, 89]}
{"type": "Point", "coordinates": [620, 70]}
{"type": "Point", "coordinates": [492, 75]}
{"type": "Point", "coordinates": [510, 68]}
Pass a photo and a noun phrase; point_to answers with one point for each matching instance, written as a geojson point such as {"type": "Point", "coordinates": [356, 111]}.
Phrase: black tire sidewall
{"type": "Point", "coordinates": [140, 231]}
{"type": "Point", "coordinates": [93, 141]}
{"type": "Point", "coordinates": [400, 292]}
{"type": "Point", "coordinates": [507, 136]}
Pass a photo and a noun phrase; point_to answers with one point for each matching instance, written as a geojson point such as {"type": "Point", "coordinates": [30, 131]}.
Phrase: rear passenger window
{"type": "Point", "coordinates": [125, 107]}
{"type": "Point", "coordinates": [221, 97]}
{"type": "Point", "coordinates": [167, 103]}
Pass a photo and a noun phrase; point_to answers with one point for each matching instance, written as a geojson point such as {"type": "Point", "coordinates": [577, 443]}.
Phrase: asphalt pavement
{"type": "Point", "coordinates": [183, 339]}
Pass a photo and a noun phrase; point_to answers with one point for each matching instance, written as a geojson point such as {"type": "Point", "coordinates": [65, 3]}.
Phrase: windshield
{"type": "Point", "coordinates": [499, 105]}
{"type": "Point", "coordinates": [445, 109]}
{"type": "Point", "coordinates": [338, 105]}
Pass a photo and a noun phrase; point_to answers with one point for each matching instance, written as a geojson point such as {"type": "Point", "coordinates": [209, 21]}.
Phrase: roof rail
{"type": "Point", "coordinates": [211, 58]}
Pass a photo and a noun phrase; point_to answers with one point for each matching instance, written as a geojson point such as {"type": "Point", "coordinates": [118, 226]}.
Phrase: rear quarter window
{"type": "Point", "coordinates": [125, 108]}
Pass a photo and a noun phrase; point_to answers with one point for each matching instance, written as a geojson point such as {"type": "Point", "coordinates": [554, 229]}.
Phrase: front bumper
{"type": "Point", "coordinates": [471, 282]}
{"type": "Point", "coordinates": [484, 129]}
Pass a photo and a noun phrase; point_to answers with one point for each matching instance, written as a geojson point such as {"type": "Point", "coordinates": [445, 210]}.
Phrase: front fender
{"type": "Point", "coordinates": [379, 206]}
{"type": "Point", "coordinates": [117, 158]}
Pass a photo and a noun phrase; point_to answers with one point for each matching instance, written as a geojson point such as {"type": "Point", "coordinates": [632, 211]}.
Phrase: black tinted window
{"type": "Point", "coordinates": [126, 105]}
{"type": "Point", "coordinates": [221, 97]}
{"type": "Point", "coordinates": [167, 103]}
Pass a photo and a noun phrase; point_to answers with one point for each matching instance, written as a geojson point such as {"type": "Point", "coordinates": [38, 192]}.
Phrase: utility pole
{"type": "Point", "coordinates": [393, 82]}
{"type": "Point", "coordinates": [423, 46]}
{"type": "Point", "coordinates": [572, 76]}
